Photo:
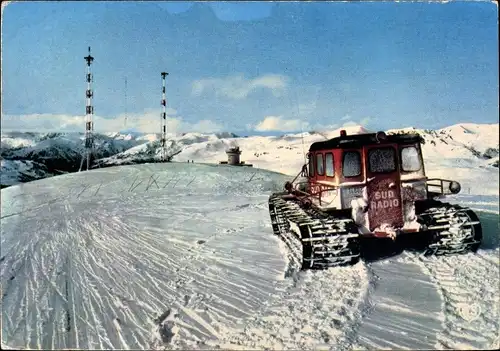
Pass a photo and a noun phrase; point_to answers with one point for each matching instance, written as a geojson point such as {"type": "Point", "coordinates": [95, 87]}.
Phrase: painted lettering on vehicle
{"type": "Point", "coordinates": [353, 191]}
{"type": "Point", "coordinates": [318, 188]}
{"type": "Point", "coordinates": [384, 199]}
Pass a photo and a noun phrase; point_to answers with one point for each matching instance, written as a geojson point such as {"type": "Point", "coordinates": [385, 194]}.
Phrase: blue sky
{"type": "Point", "coordinates": [250, 67]}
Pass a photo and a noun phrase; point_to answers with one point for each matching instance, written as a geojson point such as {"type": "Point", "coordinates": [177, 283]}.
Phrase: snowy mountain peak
{"type": "Point", "coordinates": [350, 130]}
{"type": "Point", "coordinates": [471, 144]}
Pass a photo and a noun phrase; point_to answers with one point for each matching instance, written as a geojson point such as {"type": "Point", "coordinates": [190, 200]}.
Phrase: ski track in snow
{"type": "Point", "coordinates": [183, 256]}
{"type": "Point", "coordinates": [102, 270]}
{"type": "Point", "coordinates": [321, 310]}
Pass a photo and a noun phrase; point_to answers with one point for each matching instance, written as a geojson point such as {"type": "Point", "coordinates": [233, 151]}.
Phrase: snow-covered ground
{"type": "Point", "coordinates": [182, 256]}
{"type": "Point", "coordinates": [122, 257]}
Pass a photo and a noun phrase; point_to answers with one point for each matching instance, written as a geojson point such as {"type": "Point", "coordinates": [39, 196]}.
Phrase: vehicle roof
{"type": "Point", "coordinates": [360, 140]}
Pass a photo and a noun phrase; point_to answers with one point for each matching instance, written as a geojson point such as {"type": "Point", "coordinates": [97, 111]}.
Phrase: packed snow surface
{"type": "Point", "coordinates": [122, 257]}
{"type": "Point", "coordinates": [182, 256]}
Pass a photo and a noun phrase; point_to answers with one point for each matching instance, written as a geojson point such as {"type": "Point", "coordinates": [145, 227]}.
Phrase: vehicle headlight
{"type": "Point", "coordinates": [454, 187]}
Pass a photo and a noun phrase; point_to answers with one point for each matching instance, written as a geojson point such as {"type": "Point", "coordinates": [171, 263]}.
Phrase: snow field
{"type": "Point", "coordinates": [316, 311]}
{"type": "Point", "coordinates": [182, 256]}
{"type": "Point", "coordinates": [469, 287]}
{"type": "Point", "coordinates": [470, 304]}
{"type": "Point", "coordinates": [403, 310]}
{"type": "Point", "coordinates": [448, 302]}
{"type": "Point", "coordinates": [109, 268]}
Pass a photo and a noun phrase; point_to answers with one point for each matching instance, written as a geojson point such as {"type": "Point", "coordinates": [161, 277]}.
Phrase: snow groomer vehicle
{"type": "Point", "coordinates": [362, 187]}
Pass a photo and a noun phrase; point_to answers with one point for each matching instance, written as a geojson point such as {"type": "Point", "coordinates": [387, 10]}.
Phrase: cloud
{"type": "Point", "coordinates": [238, 87]}
{"type": "Point", "coordinates": [177, 125]}
{"type": "Point", "coordinates": [363, 122]}
{"type": "Point", "coordinates": [147, 122]}
{"type": "Point", "coordinates": [277, 123]}
{"type": "Point", "coordinates": [280, 124]}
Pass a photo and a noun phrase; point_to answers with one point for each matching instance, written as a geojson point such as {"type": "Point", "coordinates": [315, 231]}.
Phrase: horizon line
{"type": "Point", "coordinates": [237, 133]}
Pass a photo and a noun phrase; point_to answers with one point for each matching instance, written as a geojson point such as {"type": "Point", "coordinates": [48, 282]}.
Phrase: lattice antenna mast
{"type": "Point", "coordinates": [89, 111]}
{"type": "Point", "coordinates": [164, 118]}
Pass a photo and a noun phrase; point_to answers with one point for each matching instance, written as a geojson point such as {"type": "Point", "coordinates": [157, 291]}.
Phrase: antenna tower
{"type": "Point", "coordinates": [164, 118]}
{"type": "Point", "coordinates": [89, 111]}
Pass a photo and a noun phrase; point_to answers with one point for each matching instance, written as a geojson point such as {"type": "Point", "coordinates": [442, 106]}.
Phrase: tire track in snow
{"type": "Point", "coordinates": [403, 310]}
{"type": "Point", "coordinates": [469, 288]}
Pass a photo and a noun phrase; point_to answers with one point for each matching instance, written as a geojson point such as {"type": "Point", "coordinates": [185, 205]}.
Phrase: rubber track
{"type": "Point", "coordinates": [315, 239]}
{"type": "Point", "coordinates": [462, 230]}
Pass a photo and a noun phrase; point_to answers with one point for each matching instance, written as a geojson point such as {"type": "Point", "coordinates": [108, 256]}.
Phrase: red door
{"type": "Point", "coordinates": [384, 187]}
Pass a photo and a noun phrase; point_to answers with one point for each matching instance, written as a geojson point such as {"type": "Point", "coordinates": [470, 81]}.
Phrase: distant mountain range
{"type": "Point", "coordinates": [31, 156]}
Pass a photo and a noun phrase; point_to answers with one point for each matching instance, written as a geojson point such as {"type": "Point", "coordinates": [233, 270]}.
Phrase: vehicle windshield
{"type": "Point", "coordinates": [382, 160]}
{"type": "Point", "coordinates": [329, 165]}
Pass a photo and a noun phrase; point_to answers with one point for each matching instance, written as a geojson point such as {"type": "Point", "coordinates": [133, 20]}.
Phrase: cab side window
{"type": "Point", "coordinates": [351, 164]}
{"type": "Point", "coordinates": [410, 160]}
{"type": "Point", "coordinates": [311, 165]}
{"type": "Point", "coordinates": [320, 167]}
{"type": "Point", "coordinates": [329, 165]}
